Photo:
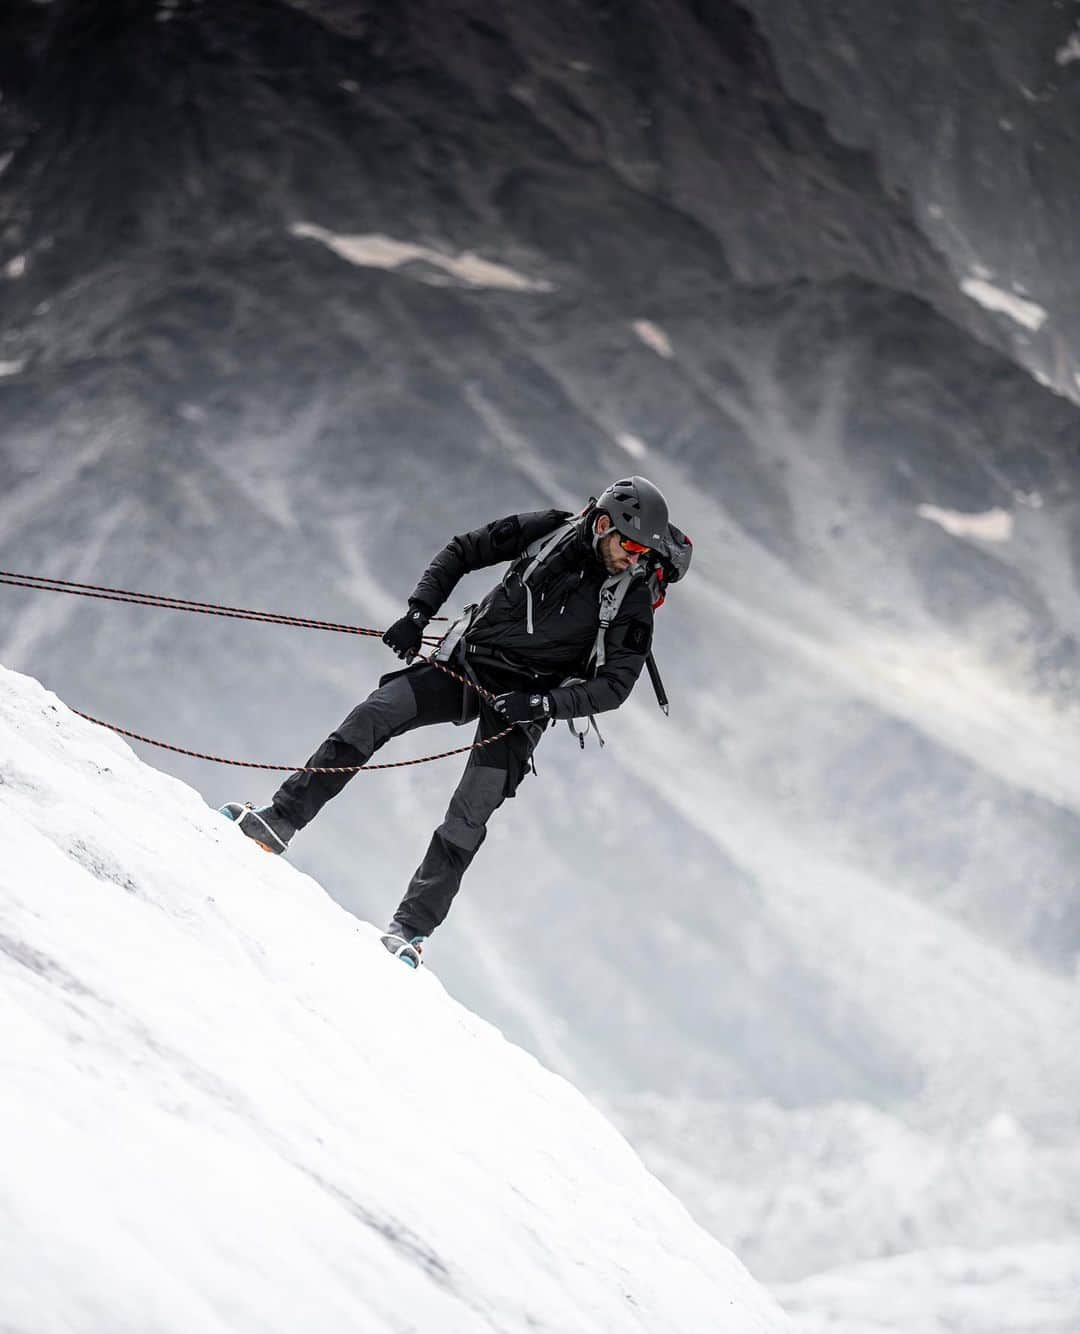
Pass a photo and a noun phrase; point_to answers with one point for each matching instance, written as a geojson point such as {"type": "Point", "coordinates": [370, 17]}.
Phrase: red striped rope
{"type": "Point", "coordinates": [43, 584]}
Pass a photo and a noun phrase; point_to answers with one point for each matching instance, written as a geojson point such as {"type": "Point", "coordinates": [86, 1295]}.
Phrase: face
{"type": "Point", "coordinates": [615, 557]}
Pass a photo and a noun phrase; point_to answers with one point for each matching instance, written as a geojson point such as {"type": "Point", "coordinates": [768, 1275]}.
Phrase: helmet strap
{"type": "Point", "coordinates": [592, 516]}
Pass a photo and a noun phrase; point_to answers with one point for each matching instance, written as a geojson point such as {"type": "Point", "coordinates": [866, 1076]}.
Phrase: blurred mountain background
{"type": "Point", "coordinates": [291, 293]}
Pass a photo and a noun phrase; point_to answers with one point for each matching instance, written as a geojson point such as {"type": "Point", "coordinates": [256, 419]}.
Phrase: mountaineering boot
{"type": "Point", "coordinates": [404, 943]}
{"type": "Point", "coordinates": [266, 826]}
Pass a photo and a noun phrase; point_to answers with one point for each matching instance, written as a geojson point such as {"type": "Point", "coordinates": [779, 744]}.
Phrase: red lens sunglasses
{"type": "Point", "coordinates": [634, 548]}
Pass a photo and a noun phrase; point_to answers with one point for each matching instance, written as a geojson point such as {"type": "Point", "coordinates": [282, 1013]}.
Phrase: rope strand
{"type": "Point", "coordinates": [291, 768]}
{"type": "Point", "coordinates": [46, 584]}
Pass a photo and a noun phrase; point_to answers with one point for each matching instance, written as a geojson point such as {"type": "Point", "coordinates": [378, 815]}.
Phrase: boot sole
{"type": "Point", "coordinates": [238, 819]}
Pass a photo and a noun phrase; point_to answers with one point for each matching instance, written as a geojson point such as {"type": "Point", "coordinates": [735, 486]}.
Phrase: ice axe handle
{"type": "Point", "coordinates": [657, 684]}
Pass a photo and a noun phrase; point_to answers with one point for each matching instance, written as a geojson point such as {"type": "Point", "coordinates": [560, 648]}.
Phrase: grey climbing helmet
{"type": "Point", "coordinates": [638, 511]}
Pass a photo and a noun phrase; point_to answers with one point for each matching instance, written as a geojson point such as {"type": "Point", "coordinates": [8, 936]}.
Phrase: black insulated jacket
{"type": "Point", "coordinates": [566, 612]}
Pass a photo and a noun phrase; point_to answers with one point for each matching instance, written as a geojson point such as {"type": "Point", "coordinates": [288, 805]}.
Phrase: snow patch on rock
{"type": "Point", "coordinates": [376, 251]}
{"type": "Point", "coordinates": [1027, 313]}
{"type": "Point", "coordinates": [1070, 51]}
{"type": "Point", "coordinates": [994, 525]}
{"type": "Point", "coordinates": [653, 336]}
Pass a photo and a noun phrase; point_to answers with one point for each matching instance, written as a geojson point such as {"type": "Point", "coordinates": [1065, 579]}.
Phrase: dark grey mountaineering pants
{"type": "Point", "coordinates": [417, 697]}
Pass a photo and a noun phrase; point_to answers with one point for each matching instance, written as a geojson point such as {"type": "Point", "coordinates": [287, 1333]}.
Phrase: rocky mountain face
{"type": "Point", "coordinates": [291, 293]}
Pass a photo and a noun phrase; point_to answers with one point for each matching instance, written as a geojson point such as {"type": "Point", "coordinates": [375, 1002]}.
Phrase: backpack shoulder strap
{"type": "Point", "coordinates": [612, 593]}
{"type": "Point", "coordinates": [534, 556]}
{"type": "Point", "coordinates": [537, 552]}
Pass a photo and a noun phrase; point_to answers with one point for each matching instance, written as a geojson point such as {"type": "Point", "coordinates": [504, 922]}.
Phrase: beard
{"type": "Point", "coordinates": [611, 554]}
{"type": "Point", "coordinates": [607, 548]}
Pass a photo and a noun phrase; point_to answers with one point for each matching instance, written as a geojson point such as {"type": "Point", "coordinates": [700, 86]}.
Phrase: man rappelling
{"type": "Point", "coordinates": [563, 635]}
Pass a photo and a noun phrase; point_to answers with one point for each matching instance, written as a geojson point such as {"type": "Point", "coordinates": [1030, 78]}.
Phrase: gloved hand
{"type": "Point", "coordinates": [406, 636]}
{"type": "Point", "coordinates": [522, 706]}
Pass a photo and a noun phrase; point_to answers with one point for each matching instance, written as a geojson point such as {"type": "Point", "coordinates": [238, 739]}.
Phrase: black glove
{"type": "Point", "coordinates": [522, 706]}
{"type": "Point", "coordinates": [406, 636]}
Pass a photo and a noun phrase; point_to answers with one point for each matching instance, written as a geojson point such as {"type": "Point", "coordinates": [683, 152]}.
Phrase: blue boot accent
{"type": "Point", "coordinates": [408, 949]}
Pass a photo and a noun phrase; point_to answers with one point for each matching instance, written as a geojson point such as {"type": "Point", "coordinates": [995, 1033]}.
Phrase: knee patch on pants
{"type": "Point", "coordinates": [480, 793]}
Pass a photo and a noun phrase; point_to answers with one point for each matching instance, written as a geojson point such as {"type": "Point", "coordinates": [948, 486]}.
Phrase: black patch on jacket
{"type": "Point", "coordinates": [638, 637]}
{"type": "Point", "coordinates": [504, 534]}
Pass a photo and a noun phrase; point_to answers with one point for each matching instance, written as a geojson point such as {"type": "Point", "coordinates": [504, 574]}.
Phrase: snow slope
{"type": "Point", "coordinates": [234, 1111]}
{"type": "Point", "coordinates": [870, 1205]}
{"type": "Point", "coordinates": [1032, 1289]}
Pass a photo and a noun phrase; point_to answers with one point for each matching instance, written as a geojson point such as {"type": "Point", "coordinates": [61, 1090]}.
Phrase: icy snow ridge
{"type": "Point", "coordinates": [228, 1109]}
